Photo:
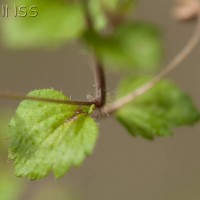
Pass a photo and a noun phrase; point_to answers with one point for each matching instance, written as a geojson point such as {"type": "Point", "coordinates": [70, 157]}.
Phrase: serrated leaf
{"type": "Point", "coordinates": [56, 22]}
{"type": "Point", "coordinates": [133, 46]}
{"type": "Point", "coordinates": [158, 111]}
{"type": "Point", "coordinates": [47, 137]}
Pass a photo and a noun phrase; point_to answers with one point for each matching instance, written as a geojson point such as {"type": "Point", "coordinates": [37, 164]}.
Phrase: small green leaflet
{"type": "Point", "coordinates": [57, 22]}
{"type": "Point", "coordinates": [156, 112]}
{"type": "Point", "coordinates": [134, 45]}
{"type": "Point", "coordinates": [47, 137]}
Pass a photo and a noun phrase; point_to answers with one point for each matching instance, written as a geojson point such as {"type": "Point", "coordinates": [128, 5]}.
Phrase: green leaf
{"type": "Point", "coordinates": [47, 137]}
{"type": "Point", "coordinates": [133, 46]}
{"type": "Point", "coordinates": [57, 22]}
{"type": "Point", "coordinates": [156, 112]}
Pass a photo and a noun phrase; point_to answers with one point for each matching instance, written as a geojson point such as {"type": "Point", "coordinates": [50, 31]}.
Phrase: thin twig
{"type": "Point", "coordinates": [11, 95]}
{"type": "Point", "coordinates": [169, 68]}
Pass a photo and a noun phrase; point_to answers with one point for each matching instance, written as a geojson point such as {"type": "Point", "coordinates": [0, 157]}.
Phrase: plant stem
{"type": "Point", "coordinates": [100, 92]}
{"type": "Point", "coordinates": [100, 84]}
{"type": "Point", "coordinates": [99, 74]}
{"type": "Point", "coordinates": [11, 95]}
{"type": "Point", "coordinates": [169, 68]}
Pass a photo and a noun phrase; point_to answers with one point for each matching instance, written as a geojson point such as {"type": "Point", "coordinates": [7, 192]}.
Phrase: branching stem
{"type": "Point", "coordinates": [100, 82]}
{"type": "Point", "coordinates": [100, 90]}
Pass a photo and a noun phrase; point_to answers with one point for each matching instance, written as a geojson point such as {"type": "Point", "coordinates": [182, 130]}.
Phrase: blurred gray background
{"type": "Point", "coordinates": [121, 167]}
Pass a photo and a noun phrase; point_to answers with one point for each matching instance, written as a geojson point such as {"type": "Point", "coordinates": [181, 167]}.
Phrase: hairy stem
{"type": "Point", "coordinates": [100, 84]}
{"type": "Point", "coordinates": [168, 69]}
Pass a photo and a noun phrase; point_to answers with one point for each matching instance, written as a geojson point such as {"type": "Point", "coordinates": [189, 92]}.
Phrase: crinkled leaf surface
{"type": "Point", "coordinates": [133, 46]}
{"type": "Point", "coordinates": [156, 112]}
{"type": "Point", "coordinates": [56, 22]}
{"type": "Point", "coordinates": [47, 137]}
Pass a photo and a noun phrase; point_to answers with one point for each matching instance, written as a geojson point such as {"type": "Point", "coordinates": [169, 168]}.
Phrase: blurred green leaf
{"type": "Point", "coordinates": [47, 137]}
{"type": "Point", "coordinates": [156, 112]}
{"type": "Point", "coordinates": [56, 22]}
{"type": "Point", "coordinates": [133, 45]}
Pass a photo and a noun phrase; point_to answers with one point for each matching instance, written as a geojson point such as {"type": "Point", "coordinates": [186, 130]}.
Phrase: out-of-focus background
{"type": "Point", "coordinates": [121, 167]}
